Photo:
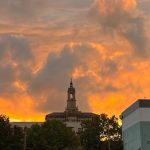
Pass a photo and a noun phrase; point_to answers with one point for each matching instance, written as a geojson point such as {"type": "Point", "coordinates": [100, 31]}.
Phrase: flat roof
{"type": "Point", "coordinates": [140, 103]}
{"type": "Point", "coordinates": [77, 114]}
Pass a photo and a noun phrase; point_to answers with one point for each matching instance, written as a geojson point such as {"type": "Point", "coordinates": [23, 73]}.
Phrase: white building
{"type": "Point", "coordinates": [136, 126]}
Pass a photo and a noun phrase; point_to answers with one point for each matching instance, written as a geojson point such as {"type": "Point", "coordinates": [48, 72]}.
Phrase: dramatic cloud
{"type": "Point", "coordinates": [23, 10]}
{"type": "Point", "coordinates": [33, 11]}
{"type": "Point", "coordinates": [90, 71]}
{"type": "Point", "coordinates": [16, 58]}
{"type": "Point", "coordinates": [51, 82]}
{"type": "Point", "coordinates": [123, 18]}
{"type": "Point", "coordinates": [102, 44]}
{"type": "Point", "coordinates": [144, 5]}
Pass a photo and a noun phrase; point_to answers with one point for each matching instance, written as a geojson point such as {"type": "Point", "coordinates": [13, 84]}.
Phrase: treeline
{"type": "Point", "coordinates": [103, 133]}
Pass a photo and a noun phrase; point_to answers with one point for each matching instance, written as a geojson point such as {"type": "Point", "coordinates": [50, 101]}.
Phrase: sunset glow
{"type": "Point", "coordinates": [102, 44]}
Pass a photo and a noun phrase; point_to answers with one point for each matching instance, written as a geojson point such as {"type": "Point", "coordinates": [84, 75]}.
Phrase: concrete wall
{"type": "Point", "coordinates": [137, 136]}
{"type": "Point", "coordinates": [145, 135]}
{"type": "Point", "coordinates": [139, 115]}
{"type": "Point", "coordinates": [132, 138]}
{"type": "Point", "coordinates": [136, 130]}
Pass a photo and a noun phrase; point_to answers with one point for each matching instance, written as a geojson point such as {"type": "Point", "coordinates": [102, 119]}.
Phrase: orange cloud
{"type": "Point", "coordinates": [104, 48]}
{"type": "Point", "coordinates": [112, 104]}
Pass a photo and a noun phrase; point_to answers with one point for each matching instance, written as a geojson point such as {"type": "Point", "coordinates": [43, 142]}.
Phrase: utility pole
{"type": "Point", "coordinates": [25, 139]}
{"type": "Point", "coordinates": [108, 135]}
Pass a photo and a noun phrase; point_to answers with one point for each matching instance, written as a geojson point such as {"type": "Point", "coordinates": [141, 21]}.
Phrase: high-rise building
{"type": "Point", "coordinates": [72, 117]}
{"type": "Point", "coordinates": [136, 126]}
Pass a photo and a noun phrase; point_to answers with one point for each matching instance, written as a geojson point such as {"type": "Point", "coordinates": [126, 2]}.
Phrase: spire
{"type": "Point", "coordinates": [71, 101]}
{"type": "Point", "coordinates": [71, 83]}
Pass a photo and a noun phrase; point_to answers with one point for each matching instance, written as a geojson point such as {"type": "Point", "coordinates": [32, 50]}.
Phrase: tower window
{"type": "Point", "coordinates": [71, 96]}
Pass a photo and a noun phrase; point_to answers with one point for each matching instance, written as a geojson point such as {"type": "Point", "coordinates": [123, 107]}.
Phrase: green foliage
{"type": "Point", "coordinates": [110, 129]}
{"type": "Point", "coordinates": [52, 135]}
{"type": "Point", "coordinates": [96, 134]}
{"type": "Point", "coordinates": [5, 132]}
{"type": "Point", "coordinates": [11, 138]}
{"type": "Point", "coordinates": [17, 138]}
{"type": "Point", "coordinates": [90, 134]}
{"type": "Point", "coordinates": [35, 139]}
{"type": "Point", "coordinates": [111, 132]}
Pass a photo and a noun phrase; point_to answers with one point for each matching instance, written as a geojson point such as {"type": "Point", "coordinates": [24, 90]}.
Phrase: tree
{"type": "Point", "coordinates": [110, 128]}
{"type": "Point", "coordinates": [90, 134]}
{"type": "Point", "coordinates": [101, 133]}
{"type": "Point", "coordinates": [110, 133]}
{"type": "Point", "coordinates": [35, 138]}
{"type": "Point", "coordinates": [10, 137]}
{"type": "Point", "coordinates": [95, 134]}
{"type": "Point", "coordinates": [5, 132]}
{"type": "Point", "coordinates": [52, 135]}
{"type": "Point", "coordinates": [17, 138]}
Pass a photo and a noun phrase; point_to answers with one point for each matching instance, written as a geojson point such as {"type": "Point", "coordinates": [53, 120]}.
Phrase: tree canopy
{"type": "Point", "coordinates": [10, 137]}
{"type": "Point", "coordinates": [52, 135]}
{"type": "Point", "coordinates": [101, 133]}
{"type": "Point", "coordinates": [95, 134]}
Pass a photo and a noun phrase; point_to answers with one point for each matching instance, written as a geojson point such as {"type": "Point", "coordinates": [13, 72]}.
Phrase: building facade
{"type": "Point", "coordinates": [136, 126]}
{"type": "Point", "coordinates": [72, 117]}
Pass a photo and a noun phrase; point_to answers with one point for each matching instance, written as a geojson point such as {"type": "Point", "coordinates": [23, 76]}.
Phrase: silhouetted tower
{"type": "Point", "coordinates": [71, 102]}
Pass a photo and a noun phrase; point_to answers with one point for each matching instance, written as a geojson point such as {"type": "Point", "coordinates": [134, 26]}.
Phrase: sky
{"type": "Point", "coordinates": [104, 45]}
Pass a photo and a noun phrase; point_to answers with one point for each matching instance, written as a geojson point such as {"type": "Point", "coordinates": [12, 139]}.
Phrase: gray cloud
{"type": "Point", "coordinates": [55, 75]}
{"type": "Point", "coordinates": [144, 5]}
{"type": "Point", "coordinates": [16, 48]}
{"type": "Point", "coordinates": [22, 10]}
{"type": "Point", "coordinates": [36, 10]}
{"type": "Point", "coordinates": [108, 68]}
{"type": "Point", "coordinates": [49, 85]}
{"type": "Point", "coordinates": [115, 18]}
{"type": "Point", "coordinates": [53, 24]}
{"type": "Point", "coordinates": [16, 60]}
{"type": "Point", "coordinates": [7, 77]}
